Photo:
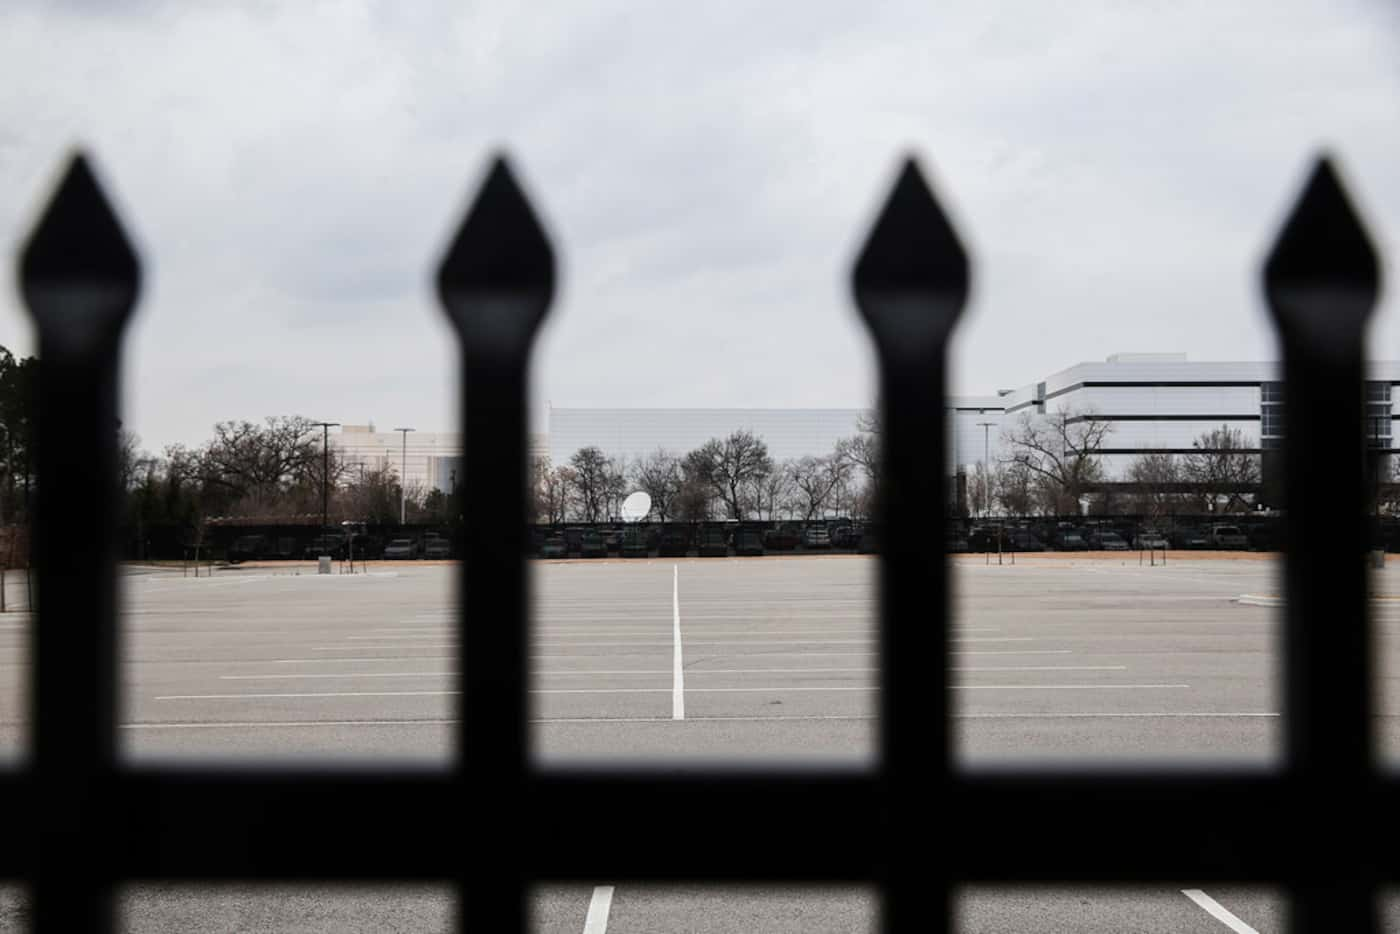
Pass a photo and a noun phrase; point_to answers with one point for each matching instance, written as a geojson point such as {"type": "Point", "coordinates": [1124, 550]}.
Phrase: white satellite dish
{"type": "Point", "coordinates": [636, 507]}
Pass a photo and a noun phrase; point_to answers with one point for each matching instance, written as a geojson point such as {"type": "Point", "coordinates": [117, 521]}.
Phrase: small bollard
{"type": "Point", "coordinates": [324, 565]}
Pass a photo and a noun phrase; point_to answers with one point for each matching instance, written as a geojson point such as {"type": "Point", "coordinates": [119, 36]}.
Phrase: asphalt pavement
{"type": "Point", "coordinates": [1084, 661]}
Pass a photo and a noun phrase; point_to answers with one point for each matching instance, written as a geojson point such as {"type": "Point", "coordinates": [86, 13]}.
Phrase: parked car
{"type": "Point", "coordinates": [870, 541]}
{"type": "Point", "coordinates": [573, 541]}
{"type": "Point", "coordinates": [845, 535]}
{"type": "Point", "coordinates": [1106, 540]}
{"type": "Point", "coordinates": [248, 548]}
{"type": "Point", "coordinates": [554, 547]}
{"type": "Point", "coordinates": [1264, 536]}
{"type": "Point", "coordinates": [713, 542]}
{"type": "Point", "coordinates": [956, 543]}
{"type": "Point", "coordinates": [783, 538]}
{"type": "Point", "coordinates": [635, 543]}
{"type": "Point", "coordinates": [1227, 536]}
{"type": "Point", "coordinates": [1188, 537]}
{"type": "Point", "coordinates": [332, 544]}
{"type": "Point", "coordinates": [981, 538]}
{"type": "Point", "coordinates": [816, 536]}
{"type": "Point", "coordinates": [1023, 540]}
{"type": "Point", "coordinates": [437, 547]}
{"type": "Point", "coordinates": [1151, 540]}
{"type": "Point", "coordinates": [612, 540]}
{"type": "Point", "coordinates": [592, 545]}
{"type": "Point", "coordinates": [674, 543]}
{"type": "Point", "coordinates": [1070, 539]}
{"type": "Point", "coordinates": [748, 542]}
{"type": "Point", "coordinates": [401, 549]}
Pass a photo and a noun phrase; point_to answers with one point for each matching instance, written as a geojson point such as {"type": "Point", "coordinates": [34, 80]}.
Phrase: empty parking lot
{"type": "Point", "coordinates": [1076, 660]}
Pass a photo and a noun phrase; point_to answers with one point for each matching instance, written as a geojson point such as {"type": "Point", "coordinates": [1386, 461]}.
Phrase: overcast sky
{"type": "Point", "coordinates": [291, 171]}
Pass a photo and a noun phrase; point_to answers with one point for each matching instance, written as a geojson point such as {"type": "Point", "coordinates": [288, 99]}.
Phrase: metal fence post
{"type": "Point", "coordinates": [79, 277]}
{"type": "Point", "coordinates": [911, 282]}
{"type": "Point", "coordinates": [496, 283]}
{"type": "Point", "coordinates": [1322, 280]}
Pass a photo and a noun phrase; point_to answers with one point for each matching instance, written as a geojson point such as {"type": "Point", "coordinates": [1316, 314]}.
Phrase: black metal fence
{"type": "Point", "coordinates": [915, 827]}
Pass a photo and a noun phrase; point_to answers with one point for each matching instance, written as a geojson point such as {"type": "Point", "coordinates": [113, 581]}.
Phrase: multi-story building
{"type": "Point", "coordinates": [1151, 403]}
{"type": "Point", "coordinates": [630, 434]}
{"type": "Point", "coordinates": [425, 459]}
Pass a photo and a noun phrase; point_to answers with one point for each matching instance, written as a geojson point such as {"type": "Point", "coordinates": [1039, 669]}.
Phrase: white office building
{"type": "Point", "coordinates": [1163, 403]}
{"type": "Point", "coordinates": [425, 459]}
{"type": "Point", "coordinates": [629, 434]}
{"type": "Point", "coordinates": [1151, 402]}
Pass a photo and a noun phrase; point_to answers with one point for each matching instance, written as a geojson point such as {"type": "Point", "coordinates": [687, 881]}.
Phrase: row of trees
{"type": "Point", "coordinates": [1054, 462]}
{"type": "Point", "coordinates": [270, 471]}
{"type": "Point", "coordinates": [733, 477]}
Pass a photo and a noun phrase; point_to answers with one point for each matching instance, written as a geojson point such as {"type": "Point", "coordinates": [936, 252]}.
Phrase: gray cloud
{"type": "Point", "coordinates": [708, 172]}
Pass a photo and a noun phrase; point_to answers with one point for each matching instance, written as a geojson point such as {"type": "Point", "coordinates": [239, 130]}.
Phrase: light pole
{"type": "Point", "coordinates": [986, 465]}
{"type": "Point", "coordinates": [325, 469]}
{"type": "Point", "coordinates": [403, 476]}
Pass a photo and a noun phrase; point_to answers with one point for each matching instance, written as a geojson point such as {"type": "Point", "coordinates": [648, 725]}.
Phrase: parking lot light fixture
{"type": "Point", "coordinates": [403, 477]}
{"type": "Point", "coordinates": [325, 469]}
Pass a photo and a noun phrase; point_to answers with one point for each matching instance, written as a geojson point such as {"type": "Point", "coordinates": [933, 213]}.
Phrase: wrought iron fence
{"type": "Point", "coordinates": [915, 827]}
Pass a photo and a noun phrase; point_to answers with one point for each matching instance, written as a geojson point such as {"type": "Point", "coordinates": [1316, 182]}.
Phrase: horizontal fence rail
{"type": "Point", "coordinates": [914, 827]}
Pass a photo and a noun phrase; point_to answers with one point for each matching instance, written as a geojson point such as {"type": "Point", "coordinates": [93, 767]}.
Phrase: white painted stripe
{"type": "Point", "coordinates": [1041, 668]}
{"type": "Point", "coordinates": [760, 690]}
{"type": "Point", "coordinates": [252, 724]}
{"type": "Point", "coordinates": [588, 644]}
{"type": "Point", "coordinates": [1218, 911]}
{"type": "Point", "coordinates": [377, 658]}
{"type": "Point", "coordinates": [598, 907]}
{"type": "Point", "coordinates": [361, 648]}
{"type": "Point", "coordinates": [573, 633]}
{"type": "Point", "coordinates": [591, 672]}
{"type": "Point", "coordinates": [677, 668]}
{"type": "Point", "coordinates": [297, 676]}
{"type": "Point", "coordinates": [448, 658]}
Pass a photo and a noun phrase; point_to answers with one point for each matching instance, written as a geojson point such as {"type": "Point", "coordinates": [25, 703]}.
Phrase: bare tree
{"type": "Point", "coordinates": [658, 475]}
{"type": "Point", "coordinates": [255, 466]}
{"type": "Point", "coordinates": [1060, 451]}
{"type": "Point", "coordinates": [553, 490]}
{"type": "Point", "coordinates": [817, 481]}
{"type": "Point", "coordinates": [1156, 478]}
{"type": "Point", "coordinates": [773, 493]}
{"type": "Point", "coordinates": [981, 489]}
{"type": "Point", "coordinates": [732, 466]}
{"type": "Point", "coordinates": [863, 448]}
{"type": "Point", "coordinates": [372, 495]}
{"type": "Point", "coordinates": [1221, 465]}
{"type": "Point", "coordinates": [769, 495]}
{"type": "Point", "coordinates": [1015, 489]}
{"type": "Point", "coordinates": [593, 482]}
{"type": "Point", "coordinates": [615, 475]}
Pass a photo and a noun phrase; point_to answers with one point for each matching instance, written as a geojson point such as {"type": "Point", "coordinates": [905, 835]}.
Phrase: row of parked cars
{"type": "Point", "coordinates": [706, 540]}
{"type": "Point", "coordinates": [340, 546]}
{"type": "Point", "coordinates": [1105, 536]}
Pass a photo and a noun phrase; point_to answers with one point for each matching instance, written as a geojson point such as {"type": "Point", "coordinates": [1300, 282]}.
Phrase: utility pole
{"type": "Point", "coordinates": [403, 477]}
{"type": "Point", "coordinates": [325, 469]}
{"type": "Point", "coordinates": [986, 464]}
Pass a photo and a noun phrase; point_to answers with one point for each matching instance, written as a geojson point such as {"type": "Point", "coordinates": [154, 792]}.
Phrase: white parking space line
{"type": "Point", "coordinates": [376, 658]}
{"type": "Point", "coordinates": [432, 721]}
{"type": "Point", "coordinates": [592, 672]}
{"type": "Point", "coordinates": [766, 654]}
{"type": "Point", "coordinates": [598, 907]}
{"type": "Point", "coordinates": [571, 633]}
{"type": "Point", "coordinates": [1218, 911]}
{"type": "Point", "coordinates": [752, 690]}
{"type": "Point", "coordinates": [677, 667]}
